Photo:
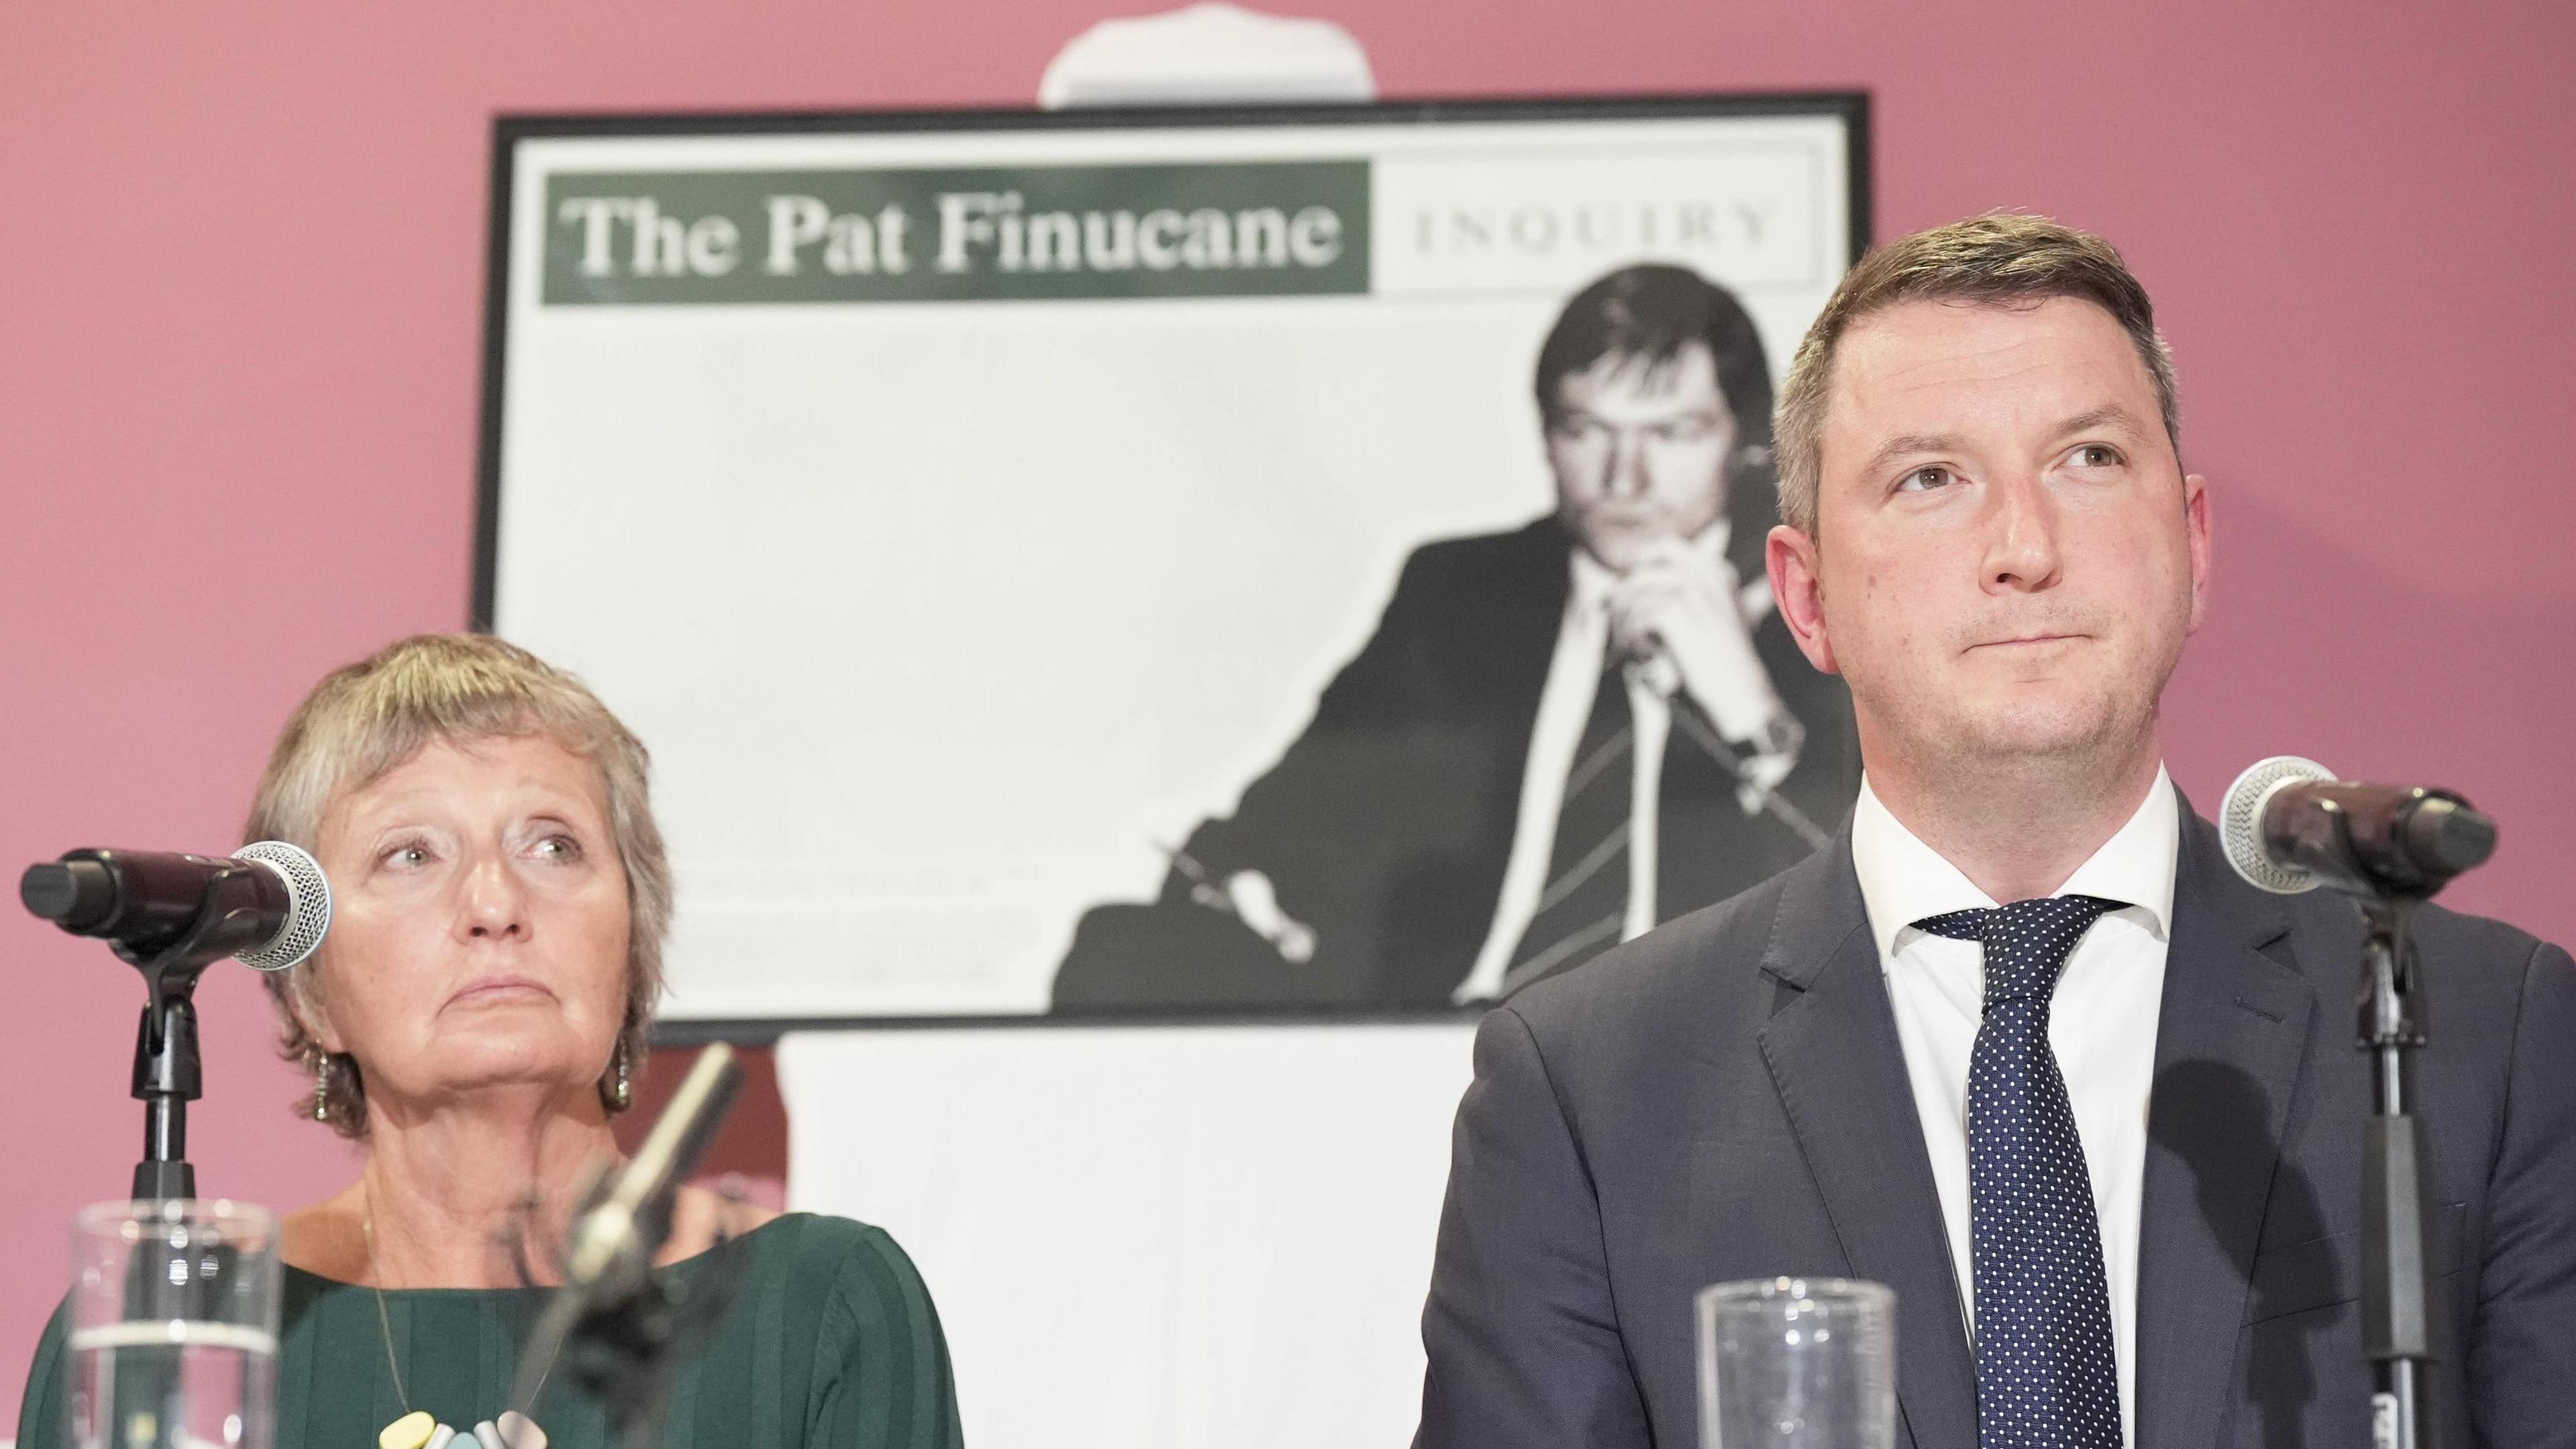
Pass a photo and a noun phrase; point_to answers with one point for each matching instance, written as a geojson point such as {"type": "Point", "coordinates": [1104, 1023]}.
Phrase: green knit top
{"type": "Point", "coordinates": [830, 1340]}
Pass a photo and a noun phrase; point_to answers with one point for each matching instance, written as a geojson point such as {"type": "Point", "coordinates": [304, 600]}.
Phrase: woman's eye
{"type": "Point", "coordinates": [407, 857]}
{"type": "Point", "coordinates": [559, 847]}
{"type": "Point", "coordinates": [1924, 480]}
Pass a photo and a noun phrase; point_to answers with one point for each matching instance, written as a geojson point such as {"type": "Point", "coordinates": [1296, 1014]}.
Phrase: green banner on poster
{"type": "Point", "coordinates": [1014, 233]}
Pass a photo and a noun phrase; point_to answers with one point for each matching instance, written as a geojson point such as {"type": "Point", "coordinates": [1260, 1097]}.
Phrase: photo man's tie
{"type": "Point", "coordinates": [1585, 904]}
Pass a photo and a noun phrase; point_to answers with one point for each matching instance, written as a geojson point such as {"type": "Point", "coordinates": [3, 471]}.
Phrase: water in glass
{"type": "Point", "coordinates": [174, 1326]}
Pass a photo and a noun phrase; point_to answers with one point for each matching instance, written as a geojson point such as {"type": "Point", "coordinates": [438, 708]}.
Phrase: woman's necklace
{"type": "Point", "coordinates": [416, 1429]}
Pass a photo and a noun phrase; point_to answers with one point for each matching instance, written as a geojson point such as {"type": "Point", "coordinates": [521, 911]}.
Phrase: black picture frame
{"type": "Point", "coordinates": [509, 131]}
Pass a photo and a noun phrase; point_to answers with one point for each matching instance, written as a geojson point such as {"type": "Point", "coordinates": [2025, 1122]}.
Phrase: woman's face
{"type": "Point", "coordinates": [479, 923]}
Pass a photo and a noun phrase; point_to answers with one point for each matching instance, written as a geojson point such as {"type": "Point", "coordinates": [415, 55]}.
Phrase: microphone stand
{"type": "Point", "coordinates": [2397, 1253]}
{"type": "Point", "coordinates": [2397, 1302]}
{"type": "Point", "coordinates": [168, 1074]}
{"type": "Point", "coordinates": [2391, 848]}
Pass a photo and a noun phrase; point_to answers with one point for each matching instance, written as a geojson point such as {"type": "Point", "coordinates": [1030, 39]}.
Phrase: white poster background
{"type": "Point", "coordinates": [939, 616]}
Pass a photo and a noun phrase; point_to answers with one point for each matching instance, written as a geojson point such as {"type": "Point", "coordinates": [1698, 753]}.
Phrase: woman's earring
{"type": "Point", "coordinates": [321, 1087]}
{"type": "Point", "coordinates": [620, 1096]}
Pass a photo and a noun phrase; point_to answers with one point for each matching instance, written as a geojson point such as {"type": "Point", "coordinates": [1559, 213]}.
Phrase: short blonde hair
{"type": "Point", "coordinates": [365, 719]}
{"type": "Point", "coordinates": [2000, 258]}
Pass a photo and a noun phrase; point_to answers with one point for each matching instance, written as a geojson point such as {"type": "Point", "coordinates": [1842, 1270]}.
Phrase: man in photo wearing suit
{"type": "Point", "coordinates": [1557, 737]}
{"type": "Point", "coordinates": [2017, 1043]}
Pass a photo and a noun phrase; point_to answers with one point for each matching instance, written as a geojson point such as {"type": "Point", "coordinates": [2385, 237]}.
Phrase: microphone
{"type": "Point", "coordinates": [624, 1220]}
{"type": "Point", "coordinates": [2289, 826]}
{"type": "Point", "coordinates": [270, 905]}
{"type": "Point", "coordinates": [613, 1241]}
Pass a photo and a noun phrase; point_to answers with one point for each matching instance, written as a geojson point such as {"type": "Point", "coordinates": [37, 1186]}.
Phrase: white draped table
{"type": "Point", "coordinates": [1185, 1237]}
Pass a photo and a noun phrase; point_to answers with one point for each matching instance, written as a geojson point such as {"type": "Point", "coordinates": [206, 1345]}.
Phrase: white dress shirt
{"type": "Point", "coordinates": [1564, 707]}
{"type": "Point", "coordinates": [2101, 1024]}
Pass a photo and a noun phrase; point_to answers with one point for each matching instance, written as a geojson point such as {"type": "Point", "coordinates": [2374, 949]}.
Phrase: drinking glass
{"type": "Point", "coordinates": [1797, 1363]}
{"type": "Point", "coordinates": [174, 1326]}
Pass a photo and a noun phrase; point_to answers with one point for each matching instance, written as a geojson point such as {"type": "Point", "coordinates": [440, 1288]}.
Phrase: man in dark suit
{"type": "Point", "coordinates": [2103, 1139]}
{"type": "Point", "coordinates": [1557, 737]}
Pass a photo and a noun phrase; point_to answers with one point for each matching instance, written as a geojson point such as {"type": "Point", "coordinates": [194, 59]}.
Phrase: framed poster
{"type": "Point", "coordinates": [1216, 562]}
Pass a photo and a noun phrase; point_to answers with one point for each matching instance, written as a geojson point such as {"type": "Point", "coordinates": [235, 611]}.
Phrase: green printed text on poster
{"type": "Point", "coordinates": [989, 233]}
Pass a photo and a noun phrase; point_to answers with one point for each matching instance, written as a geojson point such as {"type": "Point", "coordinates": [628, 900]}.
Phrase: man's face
{"type": "Point", "coordinates": [1639, 450]}
{"type": "Point", "coordinates": [2008, 555]}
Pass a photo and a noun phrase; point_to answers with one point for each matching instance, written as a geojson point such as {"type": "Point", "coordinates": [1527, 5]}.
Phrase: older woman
{"type": "Point", "coordinates": [473, 1021]}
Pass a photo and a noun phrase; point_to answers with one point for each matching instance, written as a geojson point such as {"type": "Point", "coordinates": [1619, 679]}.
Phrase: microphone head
{"type": "Point", "coordinates": [2240, 822]}
{"type": "Point", "coordinates": [308, 913]}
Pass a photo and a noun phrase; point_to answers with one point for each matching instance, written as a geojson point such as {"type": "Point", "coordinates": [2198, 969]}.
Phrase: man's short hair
{"type": "Point", "coordinates": [2000, 258]}
{"type": "Point", "coordinates": [1650, 312]}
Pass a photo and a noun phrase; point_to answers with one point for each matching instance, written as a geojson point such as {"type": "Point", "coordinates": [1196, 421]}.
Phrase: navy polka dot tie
{"type": "Point", "coordinates": [2046, 1378]}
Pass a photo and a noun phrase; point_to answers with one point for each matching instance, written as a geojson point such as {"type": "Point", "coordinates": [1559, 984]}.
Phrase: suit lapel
{"type": "Point", "coordinates": [2228, 1048]}
{"type": "Point", "coordinates": [1835, 1058]}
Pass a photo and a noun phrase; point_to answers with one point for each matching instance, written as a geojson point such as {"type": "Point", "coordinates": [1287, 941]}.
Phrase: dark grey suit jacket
{"type": "Point", "coordinates": [1726, 1098]}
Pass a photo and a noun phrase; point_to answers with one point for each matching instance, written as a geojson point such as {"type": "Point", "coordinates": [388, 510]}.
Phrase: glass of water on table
{"type": "Point", "coordinates": [174, 1326]}
{"type": "Point", "coordinates": [1797, 1363]}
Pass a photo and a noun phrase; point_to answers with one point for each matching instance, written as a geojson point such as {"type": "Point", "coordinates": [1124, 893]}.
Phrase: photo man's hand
{"type": "Point", "coordinates": [1673, 604]}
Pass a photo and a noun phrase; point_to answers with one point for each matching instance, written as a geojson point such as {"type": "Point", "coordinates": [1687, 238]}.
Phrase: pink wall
{"type": "Point", "coordinates": [240, 270]}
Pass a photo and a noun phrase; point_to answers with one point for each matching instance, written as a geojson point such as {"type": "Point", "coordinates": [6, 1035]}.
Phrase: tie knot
{"type": "Point", "coordinates": [2026, 942]}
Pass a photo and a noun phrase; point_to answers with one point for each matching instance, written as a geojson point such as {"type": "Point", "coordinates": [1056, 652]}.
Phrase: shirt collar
{"type": "Point", "coordinates": [1903, 880]}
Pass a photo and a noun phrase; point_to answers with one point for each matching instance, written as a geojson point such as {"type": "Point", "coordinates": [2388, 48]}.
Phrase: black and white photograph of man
{"type": "Point", "coordinates": [1557, 736]}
